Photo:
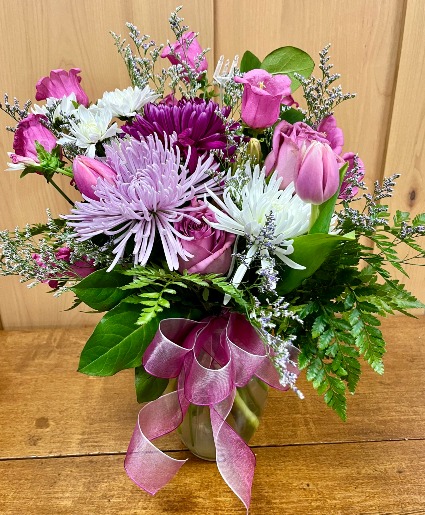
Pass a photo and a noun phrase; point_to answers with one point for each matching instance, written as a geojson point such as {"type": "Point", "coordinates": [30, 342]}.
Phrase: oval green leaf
{"type": "Point", "coordinates": [288, 60]}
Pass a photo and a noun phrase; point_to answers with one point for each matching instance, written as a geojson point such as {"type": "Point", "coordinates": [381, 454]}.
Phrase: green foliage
{"type": "Point", "coordinates": [339, 306]}
{"type": "Point", "coordinates": [310, 250]}
{"type": "Point", "coordinates": [292, 115]}
{"type": "Point", "coordinates": [101, 290]}
{"type": "Point", "coordinates": [148, 388]}
{"type": "Point", "coordinates": [289, 60]}
{"type": "Point", "coordinates": [249, 62]}
{"type": "Point", "coordinates": [157, 289]}
{"type": "Point", "coordinates": [118, 341]}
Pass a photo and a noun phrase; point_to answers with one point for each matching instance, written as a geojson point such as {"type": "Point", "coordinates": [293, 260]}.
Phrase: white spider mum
{"type": "Point", "coordinates": [90, 126]}
{"type": "Point", "coordinates": [127, 102]}
{"type": "Point", "coordinates": [258, 202]}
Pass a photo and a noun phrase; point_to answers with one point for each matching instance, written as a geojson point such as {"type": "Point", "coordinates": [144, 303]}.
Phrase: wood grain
{"type": "Point", "coordinates": [407, 155]}
{"type": "Point", "coordinates": [49, 409]}
{"type": "Point", "coordinates": [36, 37]}
{"type": "Point", "coordinates": [361, 478]}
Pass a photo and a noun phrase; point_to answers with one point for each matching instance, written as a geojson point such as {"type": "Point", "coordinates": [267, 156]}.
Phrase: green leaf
{"type": "Point", "coordinates": [148, 388]}
{"type": "Point", "coordinates": [287, 61]}
{"type": "Point", "coordinates": [292, 115]}
{"type": "Point", "coordinates": [310, 250]}
{"type": "Point", "coordinates": [101, 290]}
{"type": "Point", "coordinates": [326, 210]}
{"type": "Point", "coordinates": [249, 62]}
{"type": "Point", "coordinates": [118, 342]}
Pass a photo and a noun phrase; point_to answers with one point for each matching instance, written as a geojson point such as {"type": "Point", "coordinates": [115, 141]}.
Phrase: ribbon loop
{"type": "Point", "coordinates": [211, 359]}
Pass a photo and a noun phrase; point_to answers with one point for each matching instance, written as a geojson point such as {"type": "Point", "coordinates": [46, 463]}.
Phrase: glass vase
{"type": "Point", "coordinates": [196, 432]}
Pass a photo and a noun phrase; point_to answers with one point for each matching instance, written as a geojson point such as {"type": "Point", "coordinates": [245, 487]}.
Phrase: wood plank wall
{"type": "Point", "coordinates": [377, 45]}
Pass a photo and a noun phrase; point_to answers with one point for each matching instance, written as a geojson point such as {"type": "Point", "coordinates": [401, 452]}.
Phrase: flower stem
{"type": "Point", "coordinates": [64, 195]}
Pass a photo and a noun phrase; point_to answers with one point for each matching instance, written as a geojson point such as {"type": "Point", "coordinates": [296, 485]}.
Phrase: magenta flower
{"type": "Point", "coordinates": [186, 51]}
{"type": "Point", "coordinates": [354, 174]}
{"type": "Point", "coordinates": [211, 248]}
{"type": "Point", "coordinates": [61, 83]}
{"type": "Point", "coordinates": [87, 171]}
{"type": "Point", "coordinates": [332, 133]}
{"type": "Point", "coordinates": [262, 97]}
{"type": "Point", "coordinates": [318, 176]}
{"type": "Point", "coordinates": [198, 127]}
{"type": "Point", "coordinates": [80, 269]}
{"type": "Point", "coordinates": [147, 199]}
{"type": "Point", "coordinates": [29, 131]}
{"type": "Point", "coordinates": [289, 142]}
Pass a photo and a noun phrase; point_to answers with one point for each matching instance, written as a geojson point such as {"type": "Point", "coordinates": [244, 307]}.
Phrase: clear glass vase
{"type": "Point", "coordinates": [196, 432]}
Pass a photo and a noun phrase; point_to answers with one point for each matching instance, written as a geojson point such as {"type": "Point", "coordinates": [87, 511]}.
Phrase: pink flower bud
{"type": "Point", "coordinates": [186, 51]}
{"type": "Point", "coordinates": [354, 174]}
{"type": "Point", "coordinates": [318, 176]}
{"type": "Point", "coordinates": [29, 131]}
{"type": "Point", "coordinates": [61, 83]}
{"type": "Point", "coordinates": [262, 97]}
{"type": "Point", "coordinates": [87, 171]}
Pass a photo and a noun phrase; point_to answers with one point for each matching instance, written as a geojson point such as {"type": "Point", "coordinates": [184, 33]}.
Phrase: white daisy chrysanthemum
{"type": "Point", "coordinates": [65, 107]}
{"type": "Point", "coordinates": [90, 126]}
{"type": "Point", "coordinates": [250, 216]}
{"type": "Point", "coordinates": [127, 102]}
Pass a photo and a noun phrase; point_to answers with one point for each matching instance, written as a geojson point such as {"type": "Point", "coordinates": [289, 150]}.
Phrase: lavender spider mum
{"type": "Point", "coordinates": [150, 194]}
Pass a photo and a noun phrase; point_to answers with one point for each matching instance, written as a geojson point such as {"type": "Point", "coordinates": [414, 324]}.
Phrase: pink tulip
{"type": "Point", "coordinates": [332, 133]}
{"type": "Point", "coordinates": [347, 189]}
{"type": "Point", "coordinates": [286, 155]}
{"type": "Point", "coordinates": [262, 97]}
{"type": "Point", "coordinates": [186, 51]}
{"type": "Point", "coordinates": [318, 176]}
{"type": "Point", "coordinates": [61, 83]}
{"type": "Point", "coordinates": [29, 131]}
{"type": "Point", "coordinates": [87, 171]}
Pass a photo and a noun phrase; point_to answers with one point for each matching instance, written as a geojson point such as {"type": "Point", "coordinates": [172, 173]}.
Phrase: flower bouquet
{"type": "Point", "coordinates": [221, 228]}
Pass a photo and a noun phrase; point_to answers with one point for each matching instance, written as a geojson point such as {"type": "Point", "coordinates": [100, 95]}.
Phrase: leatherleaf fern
{"type": "Point", "coordinates": [340, 305]}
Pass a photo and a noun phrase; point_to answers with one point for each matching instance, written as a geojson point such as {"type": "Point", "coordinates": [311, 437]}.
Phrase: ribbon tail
{"type": "Point", "coordinates": [235, 460]}
{"type": "Point", "coordinates": [147, 466]}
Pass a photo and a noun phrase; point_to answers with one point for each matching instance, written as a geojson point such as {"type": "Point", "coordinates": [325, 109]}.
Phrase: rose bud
{"type": "Point", "coordinates": [86, 173]}
{"type": "Point", "coordinates": [29, 131]}
{"type": "Point", "coordinates": [318, 176]}
{"type": "Point", "coordinates": [61, 83]}
{"type": "Point", "coordinates": [253, 150]}
{"type": "Point", "coordinates": [211, 248]}
{"type": "Point", "coordinates": [262, 97]}
{"type": "Point", "coordinates": [186, 51]}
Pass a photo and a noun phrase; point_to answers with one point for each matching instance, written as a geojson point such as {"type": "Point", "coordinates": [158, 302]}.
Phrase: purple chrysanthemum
{"type": "Point", "coordinates": [195, 121]}
{"type": "Point", "coordinates": [150, 194]}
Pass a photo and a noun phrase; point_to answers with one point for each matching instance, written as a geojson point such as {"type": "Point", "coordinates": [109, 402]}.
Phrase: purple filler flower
{"type": "Point", "coordinates": [195, 121]}
{"type": "Point", "coordinates": [148, 197]}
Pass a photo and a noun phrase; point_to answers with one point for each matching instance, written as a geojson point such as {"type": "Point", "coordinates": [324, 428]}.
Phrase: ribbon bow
{"type": "Point", "coordinates": [210, 359]}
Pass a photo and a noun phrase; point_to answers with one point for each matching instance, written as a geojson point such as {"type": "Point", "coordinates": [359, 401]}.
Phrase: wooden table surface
{"type": "Point", "coordinates": [64, 436]}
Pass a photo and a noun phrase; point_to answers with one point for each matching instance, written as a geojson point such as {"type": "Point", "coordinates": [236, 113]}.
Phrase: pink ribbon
{"type": "Point", "coordinates": [210, 359]}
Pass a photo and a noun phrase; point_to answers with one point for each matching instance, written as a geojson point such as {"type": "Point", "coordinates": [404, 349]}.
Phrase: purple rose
{"type": "Point", "coordinates": [80, 269]}
{"type": "Point", "coordinates": [61, 83]}
{"type": "Point", "coordinates": [186, 51]}
{"type": "Point", "coordinates": [211, 248]}
{"type": "Point", "coordinates": [262, 97]}
{"type": "Point", "coordinates": [355, 172]}
{"type": "Point", "coordinates": [332, 133]}
{"type": "Point", "coordinates": [29, 131]}
{"type": "Point", "coordinates": [86, 173]}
